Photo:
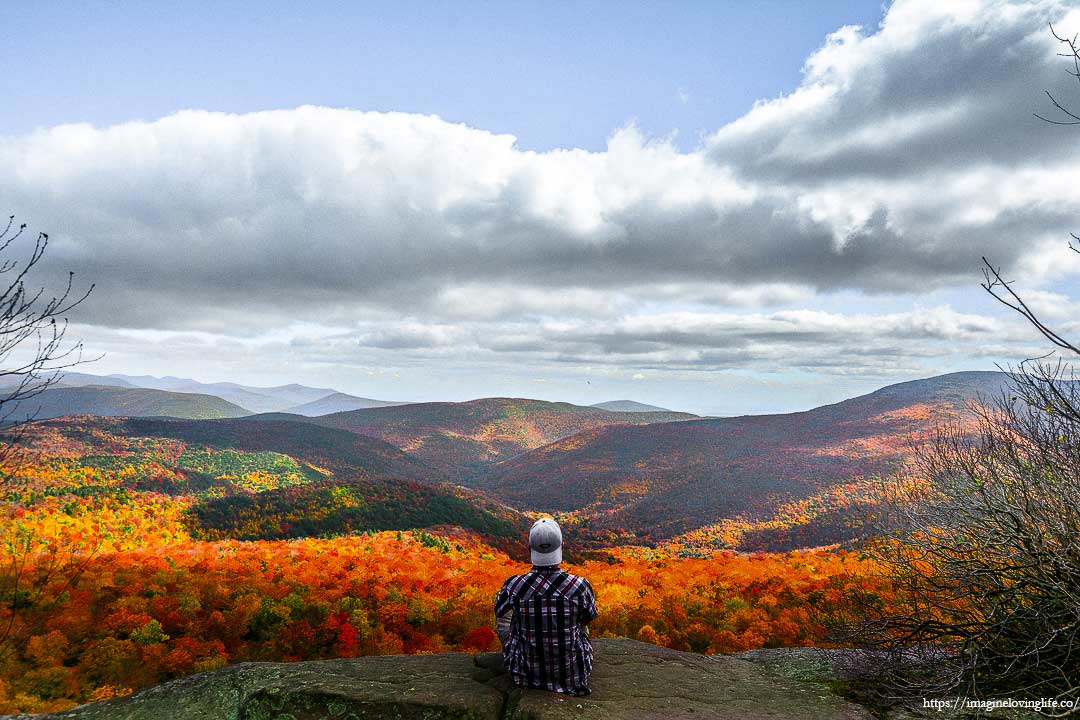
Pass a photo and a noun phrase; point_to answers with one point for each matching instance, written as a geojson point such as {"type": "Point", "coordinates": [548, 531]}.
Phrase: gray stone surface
{"type": "Point", "coordinates": [804, 663]}
{"type": "Point", "coordinates": [631, 679]}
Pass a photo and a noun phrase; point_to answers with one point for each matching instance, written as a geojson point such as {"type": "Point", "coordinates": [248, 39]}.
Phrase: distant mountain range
{"type": "Point", "coordinates": [783, 481]}
{"type": "Point", "coordinates": [253, 399]}
{"type": "Point", "coordinates": [242, 399]}
{"type": "Point", "coordinates": [297, 399]}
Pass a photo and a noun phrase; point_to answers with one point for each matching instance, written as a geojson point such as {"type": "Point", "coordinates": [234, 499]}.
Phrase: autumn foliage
{"type": "Point", "coordinates": [183, 564]}
{"type": "Point", "coordinates": [140, 617]}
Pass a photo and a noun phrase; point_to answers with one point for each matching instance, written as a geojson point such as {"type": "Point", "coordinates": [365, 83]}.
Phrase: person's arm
{"type": "Point", "coordinates": [502, 626]}
{"type": "Point", "coordinates": [504, 612]}
{"type": "Point", "coordinates": [588, 611]}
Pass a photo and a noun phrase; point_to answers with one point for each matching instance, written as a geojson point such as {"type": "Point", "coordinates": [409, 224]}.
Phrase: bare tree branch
{"type": "Point", "coordinates": [1072, 51]}
{"type": "Point", "coordinates": [34, 350]}
{"type": "Point", "coordinates": [1002, 291]}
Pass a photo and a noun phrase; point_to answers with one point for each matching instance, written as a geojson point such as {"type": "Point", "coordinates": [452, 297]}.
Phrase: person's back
{"type": "Point", "coordinates": [543, 617]}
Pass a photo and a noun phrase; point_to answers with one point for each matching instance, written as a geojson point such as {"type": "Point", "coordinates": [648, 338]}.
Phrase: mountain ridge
{"type": "Point", "coordinates": [461, 438]}
{"type": "Point", "coordinates": [338, 402]}
{"type": "Point", "coordinates": [119, 401]}
{"type": "Point", "coordinates": [666, 479]}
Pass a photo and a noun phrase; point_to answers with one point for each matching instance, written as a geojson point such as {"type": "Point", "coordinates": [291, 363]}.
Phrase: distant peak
{"type": "Point", "coordinates": [628, 406]}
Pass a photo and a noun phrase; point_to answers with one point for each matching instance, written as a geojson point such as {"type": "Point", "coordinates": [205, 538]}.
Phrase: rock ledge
{"type": "Point", "coordinates": [631, 680]}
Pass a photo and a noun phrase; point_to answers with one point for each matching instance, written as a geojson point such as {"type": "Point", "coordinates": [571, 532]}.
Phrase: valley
{"type": "Point", "coordinates": [768, 482]}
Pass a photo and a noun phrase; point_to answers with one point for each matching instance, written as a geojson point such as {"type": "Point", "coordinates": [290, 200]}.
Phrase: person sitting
{"type": "Point", "coordinates": [543, 619]}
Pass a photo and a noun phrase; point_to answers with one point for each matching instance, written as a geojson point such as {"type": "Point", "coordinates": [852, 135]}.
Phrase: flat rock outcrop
{"type": "Point", "coordinates": [631, 680]}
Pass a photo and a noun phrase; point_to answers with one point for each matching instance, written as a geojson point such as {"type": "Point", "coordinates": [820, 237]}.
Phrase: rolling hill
{"type": "Point", "coordinates": [374, 485]}
{"type": "Point", "coordinates": [650, 483]}
{"type": "Point", "coordinates": [341, 452]}
{"type": "Point", "coordinates": [338, 402]}
{"type": "Point", "coordinates": [264, 479]}
{"type": "Point", "coordinates": [342, 506]}
{"type": "Point", "coordinates": [114, 401]}
{"type": "Point", "coordinates": [461, 438]}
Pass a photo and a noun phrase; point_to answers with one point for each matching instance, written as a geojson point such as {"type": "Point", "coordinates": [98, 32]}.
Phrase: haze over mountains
{"type": "Point", "coordinates": [752, 482]}
{"type": "Point", "coordinates": [252, 399]}
{"type": "Point", "coordinates": [147, 395]}
{"type": "Point", "coordinates": [98, 395]}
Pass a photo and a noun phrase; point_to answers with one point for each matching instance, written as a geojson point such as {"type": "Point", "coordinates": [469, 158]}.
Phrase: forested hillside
{"type": "Point", "coordinates": [119, 401]}
{"type": "Point", "coordinates": [461, 438]}
{"type": "Point", "coordinates": [779, 473]}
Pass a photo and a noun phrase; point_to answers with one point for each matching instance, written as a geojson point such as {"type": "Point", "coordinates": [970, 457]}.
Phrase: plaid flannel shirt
{"type": "Point", "coordinates": [547, 642]}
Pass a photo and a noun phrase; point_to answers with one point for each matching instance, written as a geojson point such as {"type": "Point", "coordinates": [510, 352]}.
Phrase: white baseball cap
{"type": "Point", "coordinates": [545, 542]}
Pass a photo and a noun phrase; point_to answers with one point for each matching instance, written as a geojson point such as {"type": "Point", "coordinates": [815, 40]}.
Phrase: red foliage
{"type": "Point", "coordinates": [479, 639]}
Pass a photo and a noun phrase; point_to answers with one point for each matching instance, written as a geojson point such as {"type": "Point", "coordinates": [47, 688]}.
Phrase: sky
{"type": "Point", "coordinates": [717, 207]}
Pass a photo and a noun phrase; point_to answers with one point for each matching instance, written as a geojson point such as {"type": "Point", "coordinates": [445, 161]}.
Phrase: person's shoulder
{"type": "Point", "coordinates": [511, 580]}
{"type": "Point", "coordinates": [578, 582]}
